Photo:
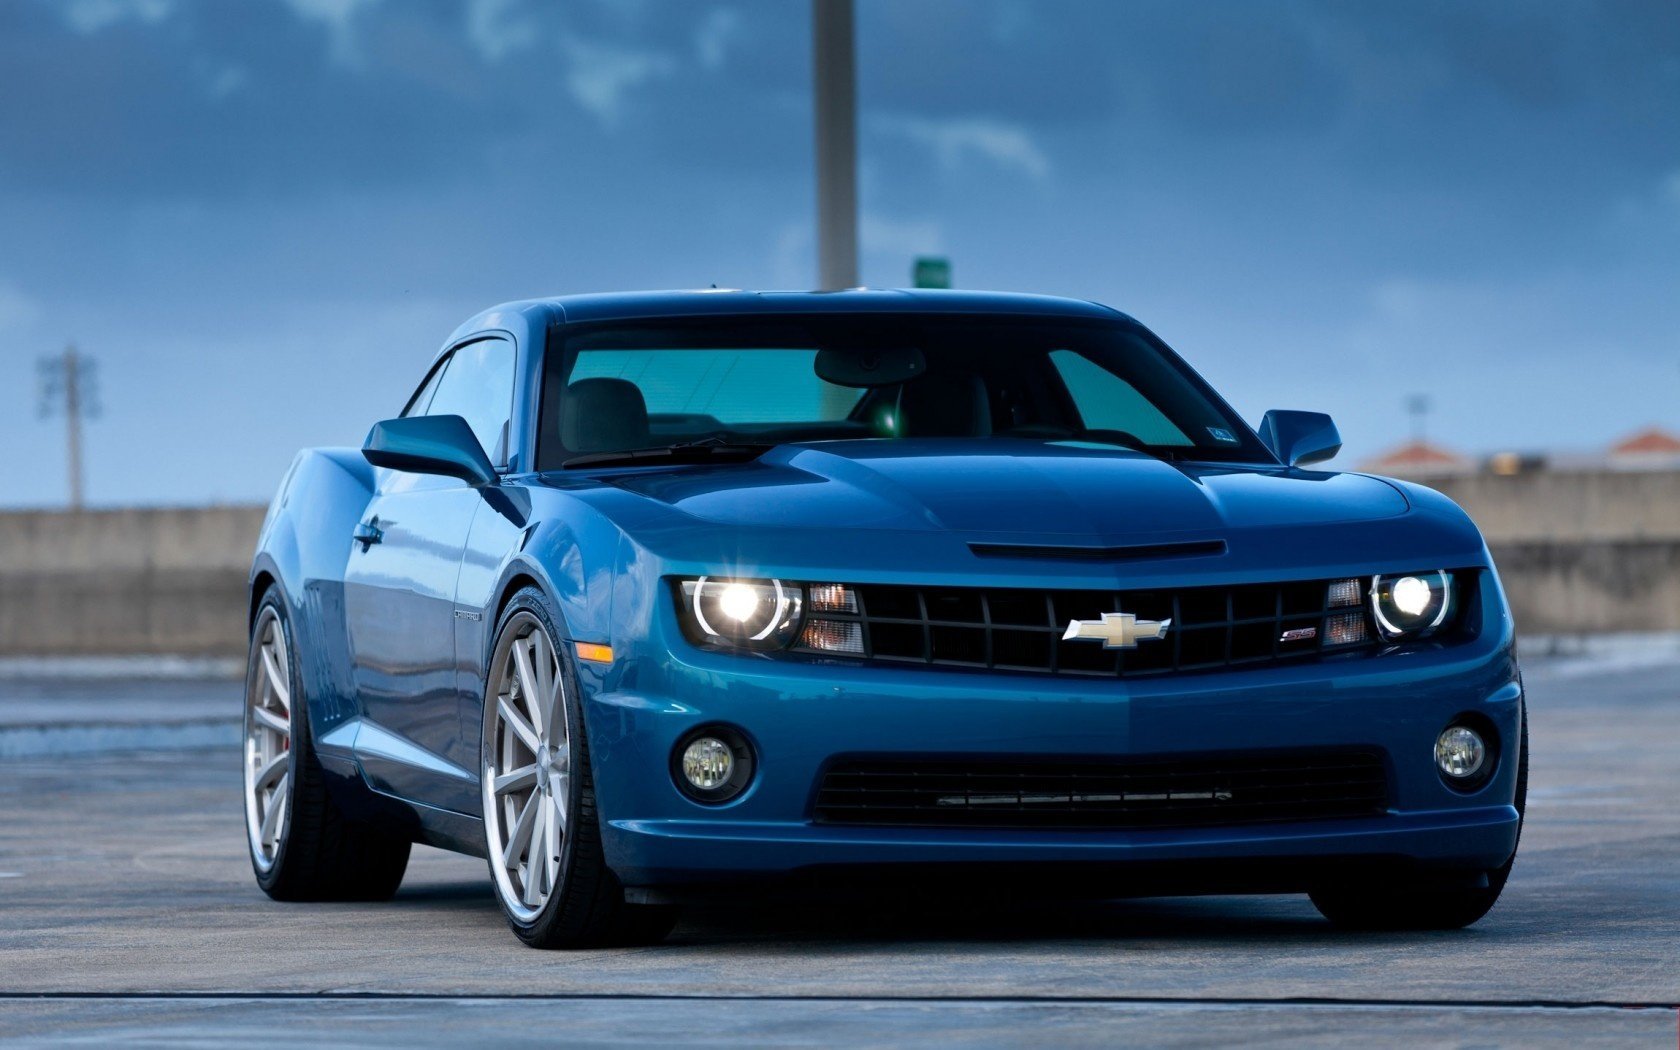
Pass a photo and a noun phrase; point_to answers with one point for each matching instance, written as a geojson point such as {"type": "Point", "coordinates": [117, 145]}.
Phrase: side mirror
{"type": "Point", "coordinates": [1299, 438]}
{"type": "Point", "coordinates": [430, 445]}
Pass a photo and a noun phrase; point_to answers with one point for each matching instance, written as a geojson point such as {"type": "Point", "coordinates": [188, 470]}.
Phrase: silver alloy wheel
{"type": "Point", "coordinates": [527, 767]}
{"type": "Point", "coordinates": [268, 739]}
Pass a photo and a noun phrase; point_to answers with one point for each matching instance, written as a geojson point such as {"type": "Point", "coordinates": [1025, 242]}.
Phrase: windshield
{"type": "Point", "coordinates": [713, 388]}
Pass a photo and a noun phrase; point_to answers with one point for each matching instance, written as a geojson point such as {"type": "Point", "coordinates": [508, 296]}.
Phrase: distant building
{"type": "Point", "coordinates": [1419, 459]}
{"type": "Point", "coordinates": [1650, 449]}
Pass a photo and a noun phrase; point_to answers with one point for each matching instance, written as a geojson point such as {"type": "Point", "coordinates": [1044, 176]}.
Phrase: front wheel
{"type": "Point", "coordinates": [542, 829]}
{"type": "Point", "coordinates": [1401, 906]}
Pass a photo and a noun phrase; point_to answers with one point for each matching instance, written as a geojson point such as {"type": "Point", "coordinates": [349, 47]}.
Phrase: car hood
{"type": "Point", "coordinates": [1002, 488]}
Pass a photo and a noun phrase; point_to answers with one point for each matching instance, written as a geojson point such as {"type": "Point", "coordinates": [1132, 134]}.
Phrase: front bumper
{"type": "Point", "coordinates": [802, 716]}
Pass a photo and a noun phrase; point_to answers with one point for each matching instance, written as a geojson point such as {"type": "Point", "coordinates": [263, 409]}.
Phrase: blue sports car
{"type": "Point", "coordinates": [643, 597]}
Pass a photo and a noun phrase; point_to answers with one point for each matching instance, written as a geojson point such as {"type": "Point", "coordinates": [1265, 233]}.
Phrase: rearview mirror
{"type": "Point", "coordinates": [869, 368]}
{"type": "Point", "coordinates": [429, 445]}
{"type": "Point", "coordinates": [1300, 438]}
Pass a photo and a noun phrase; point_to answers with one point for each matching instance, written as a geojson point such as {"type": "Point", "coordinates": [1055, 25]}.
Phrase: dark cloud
{"type": "Point", "coordinates": [1312, 195]}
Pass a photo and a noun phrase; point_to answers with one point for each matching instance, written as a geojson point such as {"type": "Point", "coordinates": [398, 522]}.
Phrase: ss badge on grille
{"type": "Point", "coordinates": [1116, 630]}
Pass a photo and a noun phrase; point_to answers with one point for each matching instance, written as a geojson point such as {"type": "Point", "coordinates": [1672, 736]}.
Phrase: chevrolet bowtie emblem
{"type": "Point", "coordinates": [1116, 630]}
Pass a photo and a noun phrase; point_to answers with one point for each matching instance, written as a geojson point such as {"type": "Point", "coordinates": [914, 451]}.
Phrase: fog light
{"type": "Point", "coordinates": [707, 763]}
{"type": "Point", "coordinates": [1459, 752]}
{"type": "Point", "coordinates": [713, 764]}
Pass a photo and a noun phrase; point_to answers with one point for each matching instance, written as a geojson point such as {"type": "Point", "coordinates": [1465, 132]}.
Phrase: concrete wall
{"type": "Point", "coordinates": [1581, 550]}
{"type": "Point", "coordinates": [1593, 586]}
{"type": "Point", "coordinates": [1595, 551]}
{"type": "Point", "coordinates": [126, 581]}
{"type": "Point", "coordinates": [1569, 506]}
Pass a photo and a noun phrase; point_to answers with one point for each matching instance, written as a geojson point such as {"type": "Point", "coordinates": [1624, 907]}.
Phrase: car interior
{"type": "Point", "coordinates": [661, 397]}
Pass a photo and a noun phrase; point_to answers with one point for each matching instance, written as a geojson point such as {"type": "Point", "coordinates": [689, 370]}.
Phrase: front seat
{"type": "Point", "coordinates": [944, 404]}
{"type": "Point", "coordinates": [603, 415]}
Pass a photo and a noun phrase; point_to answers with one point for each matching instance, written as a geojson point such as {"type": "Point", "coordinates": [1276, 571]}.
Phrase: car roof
{"type": "Point", "coordinates": [617, 306]}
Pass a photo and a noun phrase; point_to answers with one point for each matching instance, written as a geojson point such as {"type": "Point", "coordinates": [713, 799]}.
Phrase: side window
{"type": "Point", "coordinates": [1107, 402]}
{"type": "Point", "coordinates": [477, 385]}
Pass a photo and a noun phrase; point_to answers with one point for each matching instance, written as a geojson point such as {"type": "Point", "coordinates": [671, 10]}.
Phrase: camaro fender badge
{"type": "Point", "coordinates": [1116, 630]}
{"type": "Point", "coordinates": [468, 614]}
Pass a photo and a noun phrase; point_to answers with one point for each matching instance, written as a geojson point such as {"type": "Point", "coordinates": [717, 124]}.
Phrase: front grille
{"type": "Point", "coordinates": [1133, 793]}
{"type": "Point", "coordinates": [1021, 630]}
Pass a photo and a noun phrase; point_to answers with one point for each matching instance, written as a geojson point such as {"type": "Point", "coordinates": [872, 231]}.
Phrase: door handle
{"type": "Point", "coordinates": [368, 533]}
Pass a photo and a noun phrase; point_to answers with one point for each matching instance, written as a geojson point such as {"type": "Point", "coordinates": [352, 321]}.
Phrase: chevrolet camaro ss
{"type": "Point", "coordinates": [644, 597]}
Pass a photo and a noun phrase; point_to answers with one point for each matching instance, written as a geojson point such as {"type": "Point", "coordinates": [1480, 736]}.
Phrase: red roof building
{"type": "Point", "coordinates": [1650, 449]}
{"type": "Point", "coordinates": [1652, 441]}
{"type": "Point", "coordinates": [1418, 458]}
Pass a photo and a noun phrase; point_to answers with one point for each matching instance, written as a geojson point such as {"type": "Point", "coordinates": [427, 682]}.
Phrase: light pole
{"type": "Point", "coordinates": [69, 383]}
{"type": "Point", "coordinates": [1417, 406]}
{"type": "Point", "coordinates": [833, 55]}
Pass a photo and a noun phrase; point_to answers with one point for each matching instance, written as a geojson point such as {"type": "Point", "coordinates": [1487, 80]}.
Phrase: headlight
{"type": "Point", "coordinates": [769, 614]}
{"type": "Point", "coordinates": [752, 614]}
{"type": "Point", "coordinates": [1411, 605]}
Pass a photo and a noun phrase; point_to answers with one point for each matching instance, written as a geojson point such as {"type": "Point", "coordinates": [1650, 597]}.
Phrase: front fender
{"type": "Point", "coordinates": [569, 550]}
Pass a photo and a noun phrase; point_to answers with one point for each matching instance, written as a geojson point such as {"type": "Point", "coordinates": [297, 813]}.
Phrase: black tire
{"type": "Point", "coordinates": [321, 855]}
{"type": "Point", "coordinates": [586, 908]}
{"type": "Point", "coordinates": [1398, 906]}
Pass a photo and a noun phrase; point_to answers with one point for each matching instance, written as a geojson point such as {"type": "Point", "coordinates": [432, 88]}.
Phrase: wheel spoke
{"type": "Point", "coordinates": [284, 805]}
{"type": "Point", "coordinates": [516, 722]}
{"type": "Point", "coordinates": [517, 780]}
{"type": "Point", "coordinates": [551, 840]}
{"type": "Point", "coordinates": [535, 862]}
{"type": "Point", "coordinates": [558, 731]}
{"type": "Point", "coordinates": [542, 655]}
{"type": "Point", "coordinates": [520, 836]}
{"type": "Point", "coordinates": [559, 789]}
{"type": "Point", "coordinates": [267, 774]}
{"type": "Point", "coordinates": [276, 680]}
{"type": "Point", "coordinates": [276, 809]}
{"type": "Point", "coordinates": [269, 720]}
{"type": "Point", "coordinates": [528, 684]}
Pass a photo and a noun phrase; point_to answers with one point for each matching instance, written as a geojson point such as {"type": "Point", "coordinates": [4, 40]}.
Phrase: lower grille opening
{"type": "Point", "coordinates": [1120, 793]}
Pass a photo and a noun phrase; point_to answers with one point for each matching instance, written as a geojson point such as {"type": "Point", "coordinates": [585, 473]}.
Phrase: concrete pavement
{"type": "Point", "coordinates": [82, 707]}
{"type": "Point", "coordinates": [127, 913]}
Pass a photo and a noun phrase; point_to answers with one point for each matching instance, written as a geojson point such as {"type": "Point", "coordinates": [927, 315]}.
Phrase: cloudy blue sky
{"type": "Point", "coordinates": [263, 216]}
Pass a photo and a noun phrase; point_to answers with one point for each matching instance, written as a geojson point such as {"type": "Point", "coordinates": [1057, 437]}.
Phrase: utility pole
{"type": "Point", "coordinates": [69, 383]}
{"type": "Point", "coordinates": [833, 53]}
{"type": "Point", "coordinates": [1417, 406]}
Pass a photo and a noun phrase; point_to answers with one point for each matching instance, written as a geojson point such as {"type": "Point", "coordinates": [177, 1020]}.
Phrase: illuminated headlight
{"type": "Point", "coordinates": [1411, 605]}
{"type": "Point", "coordinates": [752, 614]}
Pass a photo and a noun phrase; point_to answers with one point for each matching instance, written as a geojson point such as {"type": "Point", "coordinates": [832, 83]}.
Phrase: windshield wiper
{"type": "Point", "coordinates": [706, 450]}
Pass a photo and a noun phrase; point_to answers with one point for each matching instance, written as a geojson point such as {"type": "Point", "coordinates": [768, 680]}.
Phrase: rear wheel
{"type": "Point", "coordinates": [301, 845]}
{"type": "Point", "coordinates": [542, 829]}
{"type": "Point", "coordinates": [1409, 906]}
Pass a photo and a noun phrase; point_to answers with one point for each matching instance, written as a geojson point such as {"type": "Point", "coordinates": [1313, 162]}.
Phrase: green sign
{"type": "Point", "coordinates": [932, 271]}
